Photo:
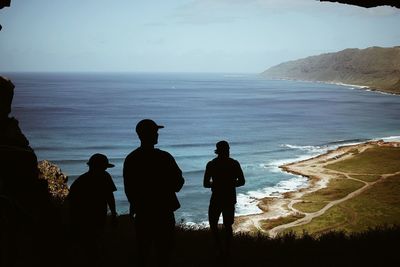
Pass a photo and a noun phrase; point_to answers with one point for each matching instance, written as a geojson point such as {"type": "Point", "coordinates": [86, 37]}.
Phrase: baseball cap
{"type": "Point", "coordinates": [99, 160]}
{"type": "Point", "coordinates": [147, 125]}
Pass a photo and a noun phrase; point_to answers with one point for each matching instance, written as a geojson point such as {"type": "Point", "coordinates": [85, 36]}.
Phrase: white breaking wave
{"type": "Point", "coordinates": [389, 139]}
{"type": "Point", "coordinates": [309, 151]}
{"type": "Point", "coordinates": [247, 203]}
{"type": "Point", "coordinates": [200, 225]}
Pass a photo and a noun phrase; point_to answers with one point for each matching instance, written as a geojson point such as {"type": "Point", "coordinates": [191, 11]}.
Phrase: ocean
{"type": "Point", "coordinates": [69, 116]}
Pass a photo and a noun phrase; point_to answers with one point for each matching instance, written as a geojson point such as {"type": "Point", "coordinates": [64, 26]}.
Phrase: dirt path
{"type": "Point", "coordinates": [309, 216]}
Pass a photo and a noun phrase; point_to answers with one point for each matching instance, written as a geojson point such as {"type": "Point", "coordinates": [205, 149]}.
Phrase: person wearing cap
{"type": "Point", "coordinates": [223, 174]}
{"type": "Point", "coordinates": [151, 180]}
{"type": "Point", "coordinates": [88, 198]}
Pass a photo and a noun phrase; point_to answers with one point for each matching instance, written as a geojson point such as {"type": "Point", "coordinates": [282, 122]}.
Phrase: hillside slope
{"type": "Point", "coordinates": [375, 67]}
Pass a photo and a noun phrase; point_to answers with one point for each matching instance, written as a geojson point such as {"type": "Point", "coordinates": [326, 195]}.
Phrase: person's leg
{"type": "Point", "coordinates": [143, 239]}
{"type": "Point", "coordinates": [214, 212]}
{"type": "Point", "coordinates": [228, 214]}
{"type": "Point", "coordinates": [164, 239]}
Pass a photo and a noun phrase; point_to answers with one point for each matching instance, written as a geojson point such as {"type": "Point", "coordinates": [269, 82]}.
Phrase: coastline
{"type": "Point", "coordinates": [275, 208]}
{"type": "Point", "coordinates": [354, 86]}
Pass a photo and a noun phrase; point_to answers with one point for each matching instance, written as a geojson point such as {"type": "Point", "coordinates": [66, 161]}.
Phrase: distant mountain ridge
{"type": "Point", "coordinates": [375, 67]}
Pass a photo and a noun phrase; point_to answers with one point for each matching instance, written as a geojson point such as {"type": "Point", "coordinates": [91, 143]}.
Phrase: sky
{"type": "Point", "coordinates": [229, 36]}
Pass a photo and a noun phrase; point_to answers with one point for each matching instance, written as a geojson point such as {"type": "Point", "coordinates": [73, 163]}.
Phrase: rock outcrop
{"type": "Point", "coordinates": [56, 180]}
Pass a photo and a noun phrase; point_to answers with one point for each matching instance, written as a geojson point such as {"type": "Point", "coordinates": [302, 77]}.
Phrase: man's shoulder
{"type": "Point", "coordinates": [156, 154]}
{"type": "Point", "coordinates": [223, 160]}
{"type": "Point", "coordinates": [235, 164]}
{"type": "Point", "coordinates": [163, 153]}
{"type": "Point", "coordinates": [82, 177]}
{"type": "Point", "coordinates": [213, 161]}
{"type": "Point", "coordinates": [133, 154]}
{"type": "Point", "coordinates": [79, 181]}
{"type": "Point", "coordinates": [219, 162]}
{"type": "Point", "coordinates": [233, 161]}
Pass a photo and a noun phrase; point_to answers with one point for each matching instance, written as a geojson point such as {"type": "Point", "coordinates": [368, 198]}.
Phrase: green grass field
{"type": "Point", "coordinates": [377, 160]}
{"type": "Point", "coordinates": [379, 205]}
{"type": "Point", "coordinates": [336, 189]}
{"type": "Point", "coordinates": [366, 177]}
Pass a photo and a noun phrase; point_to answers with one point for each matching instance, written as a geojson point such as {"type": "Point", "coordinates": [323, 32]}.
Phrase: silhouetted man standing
{"type": "Point", "coordinates": [151, 178]}
{"type": "Point", "coordinates": [223, 174]}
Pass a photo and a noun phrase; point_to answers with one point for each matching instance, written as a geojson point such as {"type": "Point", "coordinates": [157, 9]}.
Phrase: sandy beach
{"type": "Point", "coordinates": [319, 176]}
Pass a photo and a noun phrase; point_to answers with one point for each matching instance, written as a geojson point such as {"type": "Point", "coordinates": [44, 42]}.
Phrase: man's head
{"type": "Point", "coordinates": [147, 131]}
{"type": "Point", "coordinates": [222, 149]}
{"type": "Point", "coordinates": [6, 96]}
{"type": "Point", "coordinates": [99, 162]}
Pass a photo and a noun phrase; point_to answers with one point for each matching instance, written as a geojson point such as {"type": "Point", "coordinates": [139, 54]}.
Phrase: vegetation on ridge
{"type": "Point", "coordinates": [195, 247]}
{"type": "Point", "coordinates": [375, 67]}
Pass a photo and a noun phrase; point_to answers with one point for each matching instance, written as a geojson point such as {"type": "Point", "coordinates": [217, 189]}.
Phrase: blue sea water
{"type": "Point", "coordinates": [69, 116]}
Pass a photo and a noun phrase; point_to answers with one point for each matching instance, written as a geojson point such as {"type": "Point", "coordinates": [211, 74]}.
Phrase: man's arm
{"type": "Point", "coordinates": [111, 203]}
{"type": "Point", "coordinates": [128, 186]}
{"type": "Point", "coordinates": [109, 188]}
{"type": "Point", "coordinates": [176, 174]}
{"type": "Point", "coordinates": [207, 177]}
{"type": "Point", "coordinates": [240, 181]}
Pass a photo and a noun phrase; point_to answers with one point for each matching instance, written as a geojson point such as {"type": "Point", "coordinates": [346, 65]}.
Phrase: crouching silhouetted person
{"type": "Point", "coordinates": [89, 196]}
{"type": "Point", "coordinates": [223, 174]}
{"type": "Point", "coordinates": [151, 178]}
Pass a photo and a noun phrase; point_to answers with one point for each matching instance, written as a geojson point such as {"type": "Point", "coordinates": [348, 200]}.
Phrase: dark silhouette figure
{"type": "Point", "coordinates": [151, 178]}
{"type": "Point", "coordinates": [223, 174]}
{"type": "Point", "coordinates": [89, 196]}
{"type": "Point", "coordinates": [25, 200]}
{"type": "Point", "coordinates": [10, 133]}
{"type": "Point", "coordinates": [18, 162]}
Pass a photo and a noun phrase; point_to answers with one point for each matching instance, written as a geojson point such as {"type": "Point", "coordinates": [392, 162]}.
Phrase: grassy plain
{"type": "Point", "coordinates": [376, 160]}
{"type": "Point", "coordinates": [365, 177]}
{"type": "Point", "coordinates": [378, 205]}
{"type": "Point", "coordinates": [269, 224]}
{"type": "Point", "coordinates": [336, 189]}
